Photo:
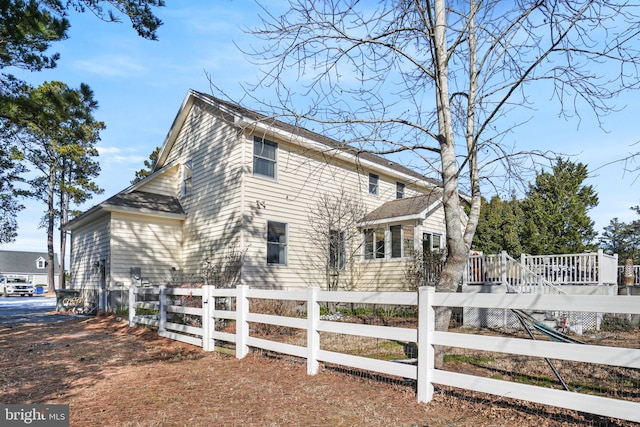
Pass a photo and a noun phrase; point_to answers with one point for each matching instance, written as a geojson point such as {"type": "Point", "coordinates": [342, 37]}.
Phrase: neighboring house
{"type": "Point", "coordinates": [229, 180]}
{"type": "Point", "coordinates": [33, 265]}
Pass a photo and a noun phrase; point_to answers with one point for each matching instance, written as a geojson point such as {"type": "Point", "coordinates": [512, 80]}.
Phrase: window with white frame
{"type": "Point", "coordinates": [399, 190]}
{"type": "Point", "coordinates": [374, 244]}
{"type": "Point", "coordinates": [374, 181]}
{"type": "Point", "coordinates": [276, 243]}
{"type": "Point", "coordinates": [264, 157]}
{"type": "Point", "coordinates": [41, 263]}
{"type": "Point", "coordinates": [401, 240]}
{"type": "Point", "coordinates": [431, 243]}
{"type": "Point", "coordinates": [336, 250]}
{"type": "Point", "coordinates": [187, 174]}
{"type": "Point", "coordinates": [408, 239]}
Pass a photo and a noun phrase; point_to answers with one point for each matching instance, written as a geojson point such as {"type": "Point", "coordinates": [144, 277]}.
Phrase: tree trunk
{"type": "Point", "coordinates": [457, 249]}
{"type": "Point", "coordinates": [64, 217]}
{"type": "Point", "coordinates": [50, 227]}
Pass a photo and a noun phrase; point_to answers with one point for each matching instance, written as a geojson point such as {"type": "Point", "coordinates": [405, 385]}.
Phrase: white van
{"type": "Point", "coordinates": [16, 286]}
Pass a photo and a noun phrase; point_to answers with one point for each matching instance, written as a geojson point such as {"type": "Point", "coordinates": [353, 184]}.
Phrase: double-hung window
{"type": "Point", "coordinates": [374, 243]}
{"type": "Point", "coordinates": [276, 243]}
{"type": "Point", "coordinates": [187, 174]}
{"type": "Point", "coordinates": [264, 157]}
{"type": "Point", "coordinates": [401, 240]}
{"type": "Point", "coordinates": [374, 181]}
{"type": "Point", "coordinates": [399, 190]}
{"type": "Point", "coordinates": [431, 243]}
{"type": "Point", "coordinates": [336, 250]}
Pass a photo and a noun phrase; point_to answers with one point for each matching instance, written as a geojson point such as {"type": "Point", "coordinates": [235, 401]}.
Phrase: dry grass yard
{"type": "Point", "coordinates": [113, 375]}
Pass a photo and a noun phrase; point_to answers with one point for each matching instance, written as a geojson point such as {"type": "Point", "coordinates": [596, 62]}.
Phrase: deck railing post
{"type": "Point", "coordinates": [208, 324]}
{"type": "Point", "coordinates": [601, 267]}
{"type": "Point", "coordinates": [242, 326]}
{"type": "Point", "coordinates": [426, 352]}
{"type": "Point", "coordinates": [313, 335]}
{"type": "Point", "coordinates": [503, 262]}
{"type": "Point", "coordinates": [132, 304]}
{"type": "Point", "coordinates": [162, 299]}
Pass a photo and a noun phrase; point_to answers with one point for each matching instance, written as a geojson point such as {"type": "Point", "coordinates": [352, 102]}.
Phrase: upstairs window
{"type": "Point", "coordinates": [187, 172]}
{"type": "Point", "coordinates": [264, 157]}
{"type": "Point", "coordinates": [373, 183]}
{"type": "Point", "coordinates": [276, 243]}
{"type": "Point", "coordinates": [399, 190]}
{"type": "Point", "coordinates": [41, 263]}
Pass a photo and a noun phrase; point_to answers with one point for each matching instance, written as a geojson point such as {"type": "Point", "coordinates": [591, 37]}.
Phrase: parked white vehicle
{"type": "Point", "coordinates": [16, 285]}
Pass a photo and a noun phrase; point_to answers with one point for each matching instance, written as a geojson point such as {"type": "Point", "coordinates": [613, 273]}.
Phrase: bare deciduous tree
{"type": "Point", "coordinates": [335, 239]}
{"type": "Point", "coordinates": [443, 81]}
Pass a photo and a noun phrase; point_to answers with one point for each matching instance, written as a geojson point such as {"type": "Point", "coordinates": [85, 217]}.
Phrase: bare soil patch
{"type": "Point", "coordinates": [113, 375]}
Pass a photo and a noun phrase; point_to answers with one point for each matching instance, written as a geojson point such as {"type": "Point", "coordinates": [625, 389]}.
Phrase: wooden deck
{"type": "Point", "coordinates": [547, 273]}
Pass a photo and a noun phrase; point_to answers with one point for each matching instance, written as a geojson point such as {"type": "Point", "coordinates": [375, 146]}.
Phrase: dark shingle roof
{"type": "Point", "coordinates": [403, 207]}
{"type": "Point", "coordinates": [24, 262]}
{"type": "Point", "coordinates": [331, 144]}
{"type": "Point", "coordinates": [144, 200]}
{"type": "Point", "coordinates": [139, 200]}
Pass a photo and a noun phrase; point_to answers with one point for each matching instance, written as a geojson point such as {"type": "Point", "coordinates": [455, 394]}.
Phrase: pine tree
{"type": "Point", "coordinates": [148, 166]}
{"type": "Point", "coordinates": [556, 211]}
{"type": "Point", "coordinates": [28, 29]}
{"type": "Point", "coordinates": [60, 144]}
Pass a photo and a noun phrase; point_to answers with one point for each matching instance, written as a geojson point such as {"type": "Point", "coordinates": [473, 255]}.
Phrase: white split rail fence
{"type": "Point", "coordinates": [425, 336]}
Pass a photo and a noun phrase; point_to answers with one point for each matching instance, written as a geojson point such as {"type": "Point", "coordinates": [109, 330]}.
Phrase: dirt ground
{"type": "Point", "coordinates": [113, 375]}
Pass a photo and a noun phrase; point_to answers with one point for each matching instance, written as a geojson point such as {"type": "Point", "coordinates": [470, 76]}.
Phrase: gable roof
{"type": "Point", "coordinates": [404, 209]}
{"type": "Point", "coordinates": [17, 262]}
{"type": "Point", "coordinates": [245, 118]}
{"type": "Point", "coordinates": [137, 202]}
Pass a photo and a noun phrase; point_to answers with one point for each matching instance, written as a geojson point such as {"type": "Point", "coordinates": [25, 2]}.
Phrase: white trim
{"type": "Point", "coordinates": [143, 211]}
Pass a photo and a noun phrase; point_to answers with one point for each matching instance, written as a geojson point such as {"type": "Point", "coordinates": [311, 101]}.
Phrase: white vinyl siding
{"type": "Point", "coordinates": [303, 178]}
{"type": "Point", "coordinates": [165, 183]}
{"type": "Point", "coordinates": [151, 243]}
{"type": "Point", "coordinates": [214, 216]}
{"type": "Point", "coordinates": [229, 208]}
{"type": "Point", "coordinates": [89, 244]}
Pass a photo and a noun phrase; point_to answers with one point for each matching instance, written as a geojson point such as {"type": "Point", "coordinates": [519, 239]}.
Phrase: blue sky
{"type": "Point", "coordinates": [140, 85]}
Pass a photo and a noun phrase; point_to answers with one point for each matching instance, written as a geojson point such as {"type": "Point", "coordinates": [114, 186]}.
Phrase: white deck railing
{"type": "Point", "coordinates": [545, 271]}
{"type": "Point", "coordinates": [592, 268]}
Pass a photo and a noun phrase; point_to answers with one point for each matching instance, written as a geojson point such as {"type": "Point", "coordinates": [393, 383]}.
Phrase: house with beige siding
{"type": "Point", "coordinates": [292, 207]}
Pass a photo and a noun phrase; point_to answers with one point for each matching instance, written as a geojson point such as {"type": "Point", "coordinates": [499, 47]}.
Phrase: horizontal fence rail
{"type": "Point", "coordinates": [211, 318]}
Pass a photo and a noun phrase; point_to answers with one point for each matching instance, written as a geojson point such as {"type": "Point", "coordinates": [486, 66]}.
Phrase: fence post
{"type": "Point", "coordinates": [242, 326]}
{"type": "Point", "coordinates": [313, 336]}
{"type": "Point", "coordinates": [132, 304]}
{"type": "Point", "coordinates": [162, 299]}
{"type": "Point", "coordinates": [208, 305]}
{"type": "Point", "coordinates": [426, 352]}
